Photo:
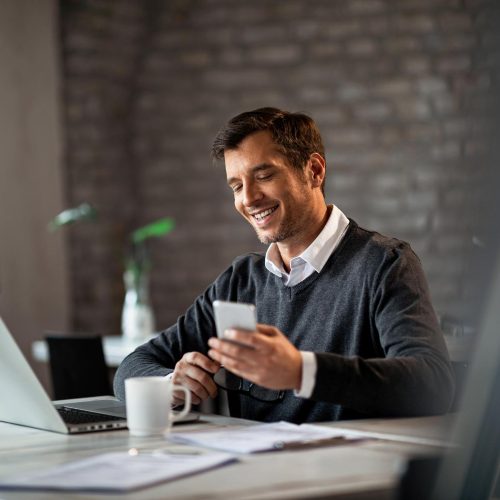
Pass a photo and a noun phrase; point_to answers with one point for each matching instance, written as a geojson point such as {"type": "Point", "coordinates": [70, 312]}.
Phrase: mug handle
{"type": "Point", "coordinates": [187, 402]}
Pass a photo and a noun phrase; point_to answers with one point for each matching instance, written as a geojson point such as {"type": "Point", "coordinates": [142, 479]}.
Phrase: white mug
{"type": "Point", "coordinates": [148, 401]}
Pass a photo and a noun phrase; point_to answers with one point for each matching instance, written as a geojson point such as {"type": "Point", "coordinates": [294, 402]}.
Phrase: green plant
{"type": "Point", "coordinates": [138, 261]}
{"type": "Point", "coordinates": [85, 211]}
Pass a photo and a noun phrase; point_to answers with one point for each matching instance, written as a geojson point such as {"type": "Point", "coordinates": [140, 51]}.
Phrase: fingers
{"type": "Point", "coordinates": [195, 371]}
{"type": "Point", "coordinates": [268, 330]}
{"type": "Point", "coordinates": [255, 340]}
{"type": "Point", "coordinates": [236, 357]}
{"type": "Point", "coordinates": [260, 341]}
{"type": "Point", "coordinates": [201, 361]}
{"type": "Point", "coordinates": [265, 357]}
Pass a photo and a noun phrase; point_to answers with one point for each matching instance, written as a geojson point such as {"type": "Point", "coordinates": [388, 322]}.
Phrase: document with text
{"type": "Point", "coordinates": [117, 472]}
{"type": "Point", "coordinates": [265, 437]}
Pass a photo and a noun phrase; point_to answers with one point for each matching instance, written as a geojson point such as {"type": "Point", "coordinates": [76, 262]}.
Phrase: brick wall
{"type": "Point", "coordinates": [399, 88]}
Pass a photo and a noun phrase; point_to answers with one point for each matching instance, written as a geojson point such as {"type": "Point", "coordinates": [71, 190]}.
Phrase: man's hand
{"type": "Point", "coordinates": [195, 371]}
{"type": "Point", "coordinates": [266, 358]}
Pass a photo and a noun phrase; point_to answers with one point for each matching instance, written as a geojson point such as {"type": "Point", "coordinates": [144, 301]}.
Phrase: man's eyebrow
{"type": "Point", "coordinates": [257, 168]}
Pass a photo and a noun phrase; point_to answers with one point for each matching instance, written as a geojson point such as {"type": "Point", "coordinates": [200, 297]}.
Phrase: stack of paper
{"type": "Point", "coordinates": [263, 437]}
{"type": "Point", "coordinates": [117, 472]}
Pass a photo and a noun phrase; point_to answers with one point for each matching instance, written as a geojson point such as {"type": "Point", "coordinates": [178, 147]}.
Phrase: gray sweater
{"type": "Point", "coordinates": [367, 316]}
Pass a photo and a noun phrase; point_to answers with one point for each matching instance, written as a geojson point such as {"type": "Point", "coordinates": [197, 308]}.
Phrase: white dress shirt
{"type": "Point", "coordinates": [311, 260]}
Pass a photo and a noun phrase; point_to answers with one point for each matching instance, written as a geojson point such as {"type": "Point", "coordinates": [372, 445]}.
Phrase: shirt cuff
{"type": "Point", "coordinates": [309, 367]}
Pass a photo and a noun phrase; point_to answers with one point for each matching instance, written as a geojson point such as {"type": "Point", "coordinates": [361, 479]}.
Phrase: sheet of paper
{"type": "Point", "coordinates": [118, 472]}
{"type": "Point", "coordinates": [254, 438]}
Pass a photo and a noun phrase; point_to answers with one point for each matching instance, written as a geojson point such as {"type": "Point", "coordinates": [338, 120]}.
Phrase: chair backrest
{"type": "Point", "coordinates": [77, 366]}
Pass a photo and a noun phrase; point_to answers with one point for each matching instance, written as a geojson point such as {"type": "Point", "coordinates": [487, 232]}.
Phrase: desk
{"type": "Point", "coordinates": [369, 469]}
{"type": "Point", "coordinates": [115, 349]}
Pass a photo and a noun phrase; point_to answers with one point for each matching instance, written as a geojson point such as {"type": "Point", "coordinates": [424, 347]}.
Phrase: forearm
{"type": "Point", "coordinates": [142, 362]}
{"type": "Point", "coordinates": [412, 374]}
{"type": "Point", "coordinates": [402, 386]}
{"type": "Point", "coordinates": [160, 355]}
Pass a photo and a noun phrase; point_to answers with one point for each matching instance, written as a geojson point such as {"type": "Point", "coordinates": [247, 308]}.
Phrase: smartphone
{"type": "Point", "coordinates": [234, 315]}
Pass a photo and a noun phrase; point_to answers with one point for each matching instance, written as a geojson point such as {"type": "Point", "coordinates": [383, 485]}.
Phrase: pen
{"type": "Point", "coordinates": [317, 443]}
{"type": "Point", "coordinates": [163, 451]}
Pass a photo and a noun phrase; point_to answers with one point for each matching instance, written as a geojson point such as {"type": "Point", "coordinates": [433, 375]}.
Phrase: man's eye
{"type": "Point", "coordinates": [236, 188]}
{"type": "Point", "coordinates": [264, 177]}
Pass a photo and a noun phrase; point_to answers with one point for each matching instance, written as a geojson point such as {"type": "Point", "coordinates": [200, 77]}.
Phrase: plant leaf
{"type": "Point", "coordinates": [85, 211]}
{"type": "Point", "coordinates": [156, 229]}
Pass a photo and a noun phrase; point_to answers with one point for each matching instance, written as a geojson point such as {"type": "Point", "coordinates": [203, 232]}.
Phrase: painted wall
{"type": "Point", "coordinates": [33, 266]}
{"type": "Point", "coordinates": [398, 88]}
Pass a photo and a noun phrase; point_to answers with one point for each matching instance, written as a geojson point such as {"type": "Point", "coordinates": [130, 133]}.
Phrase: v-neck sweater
{"type": "Point", "coordinates": [367, 316]}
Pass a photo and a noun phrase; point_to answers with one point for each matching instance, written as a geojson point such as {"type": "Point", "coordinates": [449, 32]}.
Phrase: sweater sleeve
{"type": "Point", "coordinates": [159, 356]}
{"type": "Point", "coordinates": [414, 376]}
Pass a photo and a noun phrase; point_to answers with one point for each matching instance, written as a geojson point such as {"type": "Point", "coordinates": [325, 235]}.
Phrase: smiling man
{"type": "Point", "coordinates": [346, 327]}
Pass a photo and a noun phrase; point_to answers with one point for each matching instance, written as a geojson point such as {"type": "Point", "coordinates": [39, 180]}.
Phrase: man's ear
{"type": "Point", "coordinates": [316, 170]}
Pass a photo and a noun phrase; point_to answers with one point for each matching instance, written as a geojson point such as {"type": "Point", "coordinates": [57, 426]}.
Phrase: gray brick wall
{"type": "Point", "coordinates": [400, 89]}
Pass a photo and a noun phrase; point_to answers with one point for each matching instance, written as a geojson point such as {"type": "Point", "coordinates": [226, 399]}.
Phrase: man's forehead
{"type": "Point", "coordinates": [261, 140]}
{"type": "Point", "coordinates": [253, 150]}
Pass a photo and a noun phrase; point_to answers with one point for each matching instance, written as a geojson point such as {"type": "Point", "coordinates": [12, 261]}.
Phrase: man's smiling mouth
{"type": "Point", "coordinates": [259, 216]}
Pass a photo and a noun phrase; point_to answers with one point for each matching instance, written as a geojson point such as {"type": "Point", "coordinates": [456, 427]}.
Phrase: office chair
{"type": "Point", "coordinates": [77, 367]}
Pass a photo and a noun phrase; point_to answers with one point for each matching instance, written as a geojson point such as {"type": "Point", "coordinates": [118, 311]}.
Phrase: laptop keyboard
{"type": "Point", "coordinates": [74, 416]}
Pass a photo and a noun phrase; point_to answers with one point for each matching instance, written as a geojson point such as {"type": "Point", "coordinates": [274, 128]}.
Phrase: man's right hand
{"type": "Point", "coordinates": [195, 371]}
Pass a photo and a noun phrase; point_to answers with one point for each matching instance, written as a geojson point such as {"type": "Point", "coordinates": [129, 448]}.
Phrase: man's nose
{"type": "Point", "coordinates": [251, 194]}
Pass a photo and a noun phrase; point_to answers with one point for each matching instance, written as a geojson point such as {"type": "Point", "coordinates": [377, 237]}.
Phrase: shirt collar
{"type": "Point", "coordinates": [319, 251]}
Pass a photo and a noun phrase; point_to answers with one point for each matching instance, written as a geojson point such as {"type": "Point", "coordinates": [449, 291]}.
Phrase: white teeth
{"type": "Point", "coordinates": [265, 213]}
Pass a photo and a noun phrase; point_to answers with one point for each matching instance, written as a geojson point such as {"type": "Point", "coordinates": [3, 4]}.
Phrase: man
{"type": "Point", "coordinates": [346, 327]}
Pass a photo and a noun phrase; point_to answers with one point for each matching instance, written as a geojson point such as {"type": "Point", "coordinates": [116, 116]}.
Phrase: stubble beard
{"type": "Point", "coordinates": [285, 231]}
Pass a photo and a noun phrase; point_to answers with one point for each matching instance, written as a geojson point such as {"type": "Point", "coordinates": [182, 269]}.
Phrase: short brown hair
{"type": "Point", "coordinates": [296, 134]}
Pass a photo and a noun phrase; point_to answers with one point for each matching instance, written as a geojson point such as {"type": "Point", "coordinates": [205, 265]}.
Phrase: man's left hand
{"type": "Point", "coordinates": [265, 357]}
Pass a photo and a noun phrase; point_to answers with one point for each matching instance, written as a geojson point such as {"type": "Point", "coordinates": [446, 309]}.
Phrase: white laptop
{"type": "Point", "coordinates": [23, 401]}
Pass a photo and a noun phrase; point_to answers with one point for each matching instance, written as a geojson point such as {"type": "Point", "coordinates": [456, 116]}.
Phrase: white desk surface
{"type": "Point", "coordinates": [367, 469]}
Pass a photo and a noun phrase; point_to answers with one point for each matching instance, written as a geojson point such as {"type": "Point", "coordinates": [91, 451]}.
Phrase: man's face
{"type": "Point", "coordinates": [274, 197]}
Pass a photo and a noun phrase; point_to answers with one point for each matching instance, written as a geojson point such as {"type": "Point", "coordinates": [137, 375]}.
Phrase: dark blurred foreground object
{"type": "Point", "coordinates": [77, 366]}
{"type": "Point", "coordinates": [460, 369]}
{"type": "Point", "coordinates": [470, 469]}
{"type": "Point", "coordinates": [419, 478]}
